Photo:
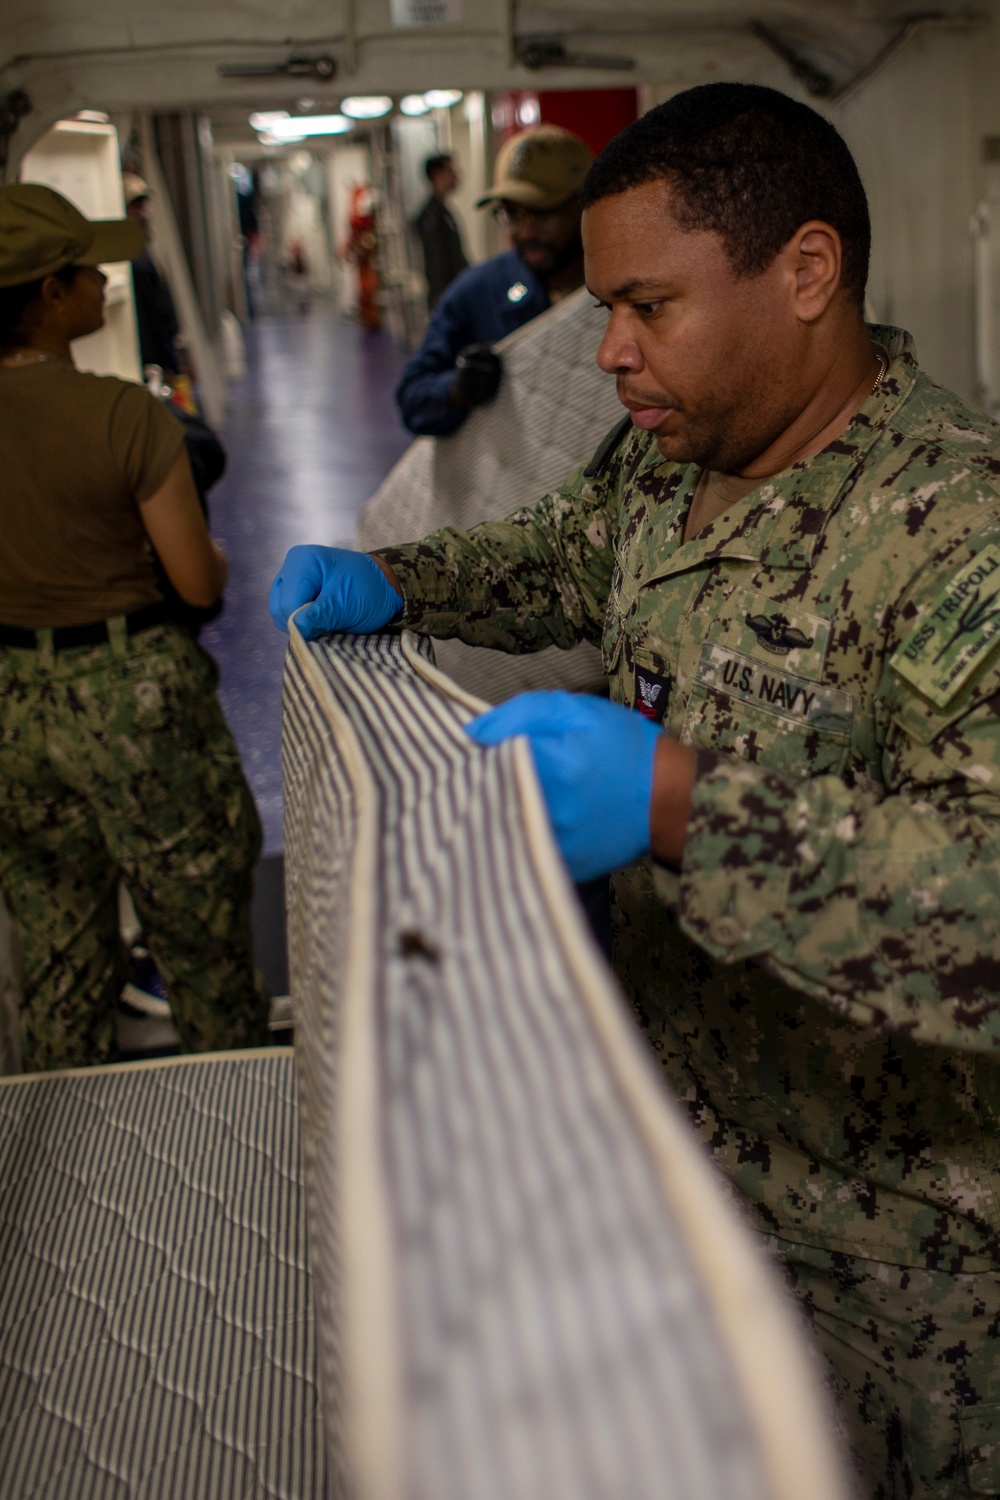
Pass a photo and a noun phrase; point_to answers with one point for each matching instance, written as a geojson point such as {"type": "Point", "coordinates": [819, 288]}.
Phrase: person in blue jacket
{"type": "Point", "coordinates": [536, 195]}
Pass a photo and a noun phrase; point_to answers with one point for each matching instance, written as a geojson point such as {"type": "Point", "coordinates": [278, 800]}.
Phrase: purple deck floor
{"type": "Point", "coordinates": [311, 432]}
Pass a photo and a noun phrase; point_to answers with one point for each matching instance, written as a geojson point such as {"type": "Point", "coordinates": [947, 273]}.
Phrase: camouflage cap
{"type": "Point", "coordinates": [540, 168]}
{"type": "Point", "coordinates": [134, 187]}
{"type": "Point", "coordinates": [41, 231]}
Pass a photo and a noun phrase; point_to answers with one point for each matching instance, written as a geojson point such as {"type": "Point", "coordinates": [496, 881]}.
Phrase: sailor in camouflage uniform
{"type": "Point", "coordinates": [813, 944]}
{"type": "Point", "coordinates": [116, 762]}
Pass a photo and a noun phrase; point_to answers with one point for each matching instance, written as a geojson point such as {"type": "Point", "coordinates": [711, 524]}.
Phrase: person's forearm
{"type": "Point", "coordinates": [850, 897]}
{"type": "Point", "coordinates": [503, 584]}
{"type": "Point", "coordinates": [388, 570]}
{"type": "Point", "coordinates": [425, 404]}
{"type": "Point", "coordinates": [670, 803]}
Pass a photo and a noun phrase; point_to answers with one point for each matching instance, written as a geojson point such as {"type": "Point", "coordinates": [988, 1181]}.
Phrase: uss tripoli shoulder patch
{"type": "Point", "coordinates": [957, 634]}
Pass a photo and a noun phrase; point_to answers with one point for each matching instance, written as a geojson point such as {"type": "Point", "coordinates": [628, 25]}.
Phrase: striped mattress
{"type": "Point", "coordinates": [529, 1284]}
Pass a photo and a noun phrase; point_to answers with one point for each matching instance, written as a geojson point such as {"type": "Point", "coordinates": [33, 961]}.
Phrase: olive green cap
{"type": "Point", "coordinates": [540, 168]}
{"type": "Point", "coordinates": [41, 231]}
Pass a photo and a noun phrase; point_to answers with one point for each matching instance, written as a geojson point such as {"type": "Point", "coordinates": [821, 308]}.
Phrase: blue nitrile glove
{"type": "Point", "coordinates": [595, 763]}
{"type": "Point", "coordinates": [344, 590]}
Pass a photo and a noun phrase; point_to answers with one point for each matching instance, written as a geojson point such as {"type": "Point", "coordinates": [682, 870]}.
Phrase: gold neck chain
{"type": "Point", "coordinates": [883, 367]}
{"type": "Point", "coordinates": [29, 357]}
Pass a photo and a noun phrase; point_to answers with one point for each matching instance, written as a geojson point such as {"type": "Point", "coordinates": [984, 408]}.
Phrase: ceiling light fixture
{"type": "Point", "coordinates": [414, 104]}
{"type": "Point", "coordinates": [442, 98]}
{"type": "Point", "coordinates": [366, 106]}
{"type": "Point", "coordinates": [264, 119]}
{"type": "Point", "coordinates": [297, 129]}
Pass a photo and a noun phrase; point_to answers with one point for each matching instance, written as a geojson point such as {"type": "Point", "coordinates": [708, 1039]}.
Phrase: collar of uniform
{"type": "Point", "coordinates": [773, 525]}
{"type": "Point", "coordinates": [829, 470]}
{"type": "Point", "coordinates": [779, 523]}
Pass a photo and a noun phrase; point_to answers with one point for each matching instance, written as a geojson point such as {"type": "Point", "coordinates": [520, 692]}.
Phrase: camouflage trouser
{"type": "Point", "coordinates": [116, 762]}
{"type": "Point", "coordinates": [915, 1370]}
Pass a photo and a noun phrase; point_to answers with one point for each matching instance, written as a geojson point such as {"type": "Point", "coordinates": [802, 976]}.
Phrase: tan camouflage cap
{"type": "Point", "coordinates": [540, 168]}
{"type": "Point", "coordinates": [134, 187]}
{"type": "Point", "coordinates": [41, 231]}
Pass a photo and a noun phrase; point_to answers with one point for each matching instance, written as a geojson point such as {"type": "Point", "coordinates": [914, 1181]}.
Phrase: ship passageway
{"type": "Point", "coordinates": [311, 431]}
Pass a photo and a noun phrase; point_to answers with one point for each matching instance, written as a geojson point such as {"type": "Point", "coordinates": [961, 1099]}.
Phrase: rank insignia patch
{"type": "Point", "coordinates": [652, 694]}
{"type": "Point", "coordinates": [958, 632]}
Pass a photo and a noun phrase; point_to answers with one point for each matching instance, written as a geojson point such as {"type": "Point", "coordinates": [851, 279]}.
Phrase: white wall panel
{"type": "Point", "coordinates": [912, 131]}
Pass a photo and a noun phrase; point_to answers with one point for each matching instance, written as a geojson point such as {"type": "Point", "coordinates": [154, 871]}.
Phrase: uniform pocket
{"type": "Point", "coordinates": [768, 715]}
{"type": "Point", "coordinates": [151, 685]}
{"type": "Point", "coordinates": [980, 1428]}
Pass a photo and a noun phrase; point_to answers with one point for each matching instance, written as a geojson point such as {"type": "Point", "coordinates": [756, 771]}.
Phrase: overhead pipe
{"type": "Point", "coordinates": [821, 84]}
{"type": "Point", "coordinates": [323, 69]}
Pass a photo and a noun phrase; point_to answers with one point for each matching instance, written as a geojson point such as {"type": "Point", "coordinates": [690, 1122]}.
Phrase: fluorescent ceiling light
{"type": "Point", "coordinates": [264, 119]}
{"type": "Point", "coordinates": [414, 104]}
{"type": "Point", "coordinates": [366, 106]}
{"type": "Point", "coordinates": [442, 98]}
{"type": "Point", "coordinates": [297, 129]}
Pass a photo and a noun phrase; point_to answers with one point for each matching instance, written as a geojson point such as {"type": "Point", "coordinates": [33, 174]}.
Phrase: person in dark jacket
{"type": "Point", "coordinates": [155, 314]}
{"type": "Point", "coordinates": [444, 257]}
{"type": "Point", "coordinates": [535, 193]}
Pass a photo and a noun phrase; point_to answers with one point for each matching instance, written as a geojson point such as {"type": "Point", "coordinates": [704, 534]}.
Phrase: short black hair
{"type": "Point", "coordinates": [751, 164]}
{"type": "Point", "coordinates": [15, 301]}
{"type": "Point", "coordinates": [435, 164]}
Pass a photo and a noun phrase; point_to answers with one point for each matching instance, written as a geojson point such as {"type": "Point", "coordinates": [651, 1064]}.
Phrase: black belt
{"type": "Point", "coordinates": [64, 637]}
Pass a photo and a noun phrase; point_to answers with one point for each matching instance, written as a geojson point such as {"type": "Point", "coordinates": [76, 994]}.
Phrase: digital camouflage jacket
{"type": "Point", "coordinates": [821, 982]}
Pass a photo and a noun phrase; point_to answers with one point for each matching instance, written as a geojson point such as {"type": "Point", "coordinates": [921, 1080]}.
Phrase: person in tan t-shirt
{"type": "Point", "coordinates": [115, 760]}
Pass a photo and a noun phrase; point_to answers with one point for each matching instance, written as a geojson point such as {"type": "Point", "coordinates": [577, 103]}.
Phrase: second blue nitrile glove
{"type": "Point", "coordinates": [595, 764]}
{"type": "Point", "coordinates": [344, 591]}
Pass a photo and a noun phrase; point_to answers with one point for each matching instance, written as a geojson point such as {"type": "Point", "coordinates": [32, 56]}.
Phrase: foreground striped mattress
{"type": "Point", "coordinates": [528, 1283]}
{"type": "Point", "coordinates": [156, 1322]}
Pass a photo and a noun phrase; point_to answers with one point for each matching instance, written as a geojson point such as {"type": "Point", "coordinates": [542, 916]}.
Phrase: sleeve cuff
{"type": "Point", "coordinates": [739, 855]}
{"type": "Point", "coordinates": [430, 590]}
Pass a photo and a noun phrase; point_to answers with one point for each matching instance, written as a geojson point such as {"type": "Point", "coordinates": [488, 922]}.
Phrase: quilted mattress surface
{"type": "Point", "coordinates": [156, 1318]}
{"type": "Point", "coordinates": [553, 408]}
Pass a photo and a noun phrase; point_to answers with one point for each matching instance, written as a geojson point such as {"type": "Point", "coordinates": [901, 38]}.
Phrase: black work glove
{"type": "Point", "coordinates": [477, 376]}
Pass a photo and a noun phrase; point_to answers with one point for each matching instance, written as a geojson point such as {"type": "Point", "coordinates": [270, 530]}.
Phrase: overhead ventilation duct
{"type": "Point", "coordinates": [822, 84]}
{"type": "Point", "coordinates": [813, 79]}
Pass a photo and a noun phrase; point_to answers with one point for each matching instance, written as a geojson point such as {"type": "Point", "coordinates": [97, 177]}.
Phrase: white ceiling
{"type": "Point", "coordinates": [118, 54]}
